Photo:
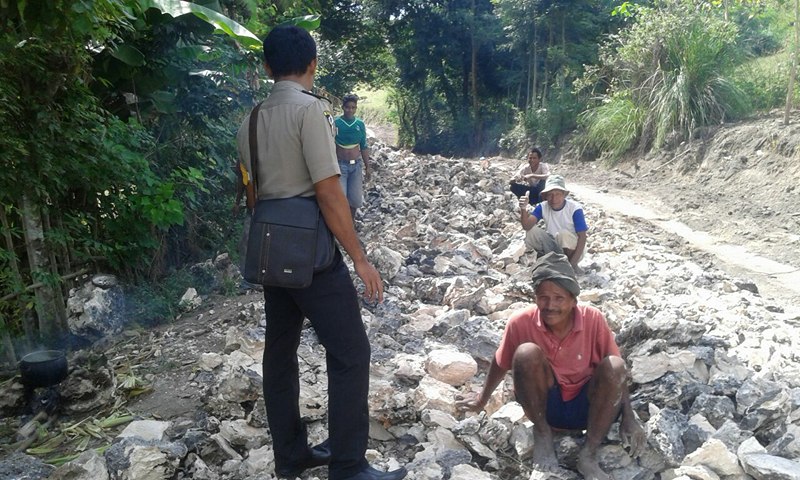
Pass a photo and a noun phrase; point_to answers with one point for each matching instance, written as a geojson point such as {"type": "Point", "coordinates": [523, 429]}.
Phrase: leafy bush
{"type": "Point", "coordinates": [670, 74]}
{"type": "Point", "coordinates": [154, 303]}
{"type": "Point", "coordinates": [763, 81]}
{"type": "Point", "coordinates": [532, 127]}
{"type": "Point", "coordinates": [543, 126]}
{"type": "Point", "coordinates": [762, 26]}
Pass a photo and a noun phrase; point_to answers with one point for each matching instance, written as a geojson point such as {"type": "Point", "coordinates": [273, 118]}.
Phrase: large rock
{"type": "Point", "coordinates": [135, 459]}
{"type": "Point", "coordinates": [762, 466]}
{"type": "Point", "coordinates": [434, 394]}
{"type": "Point", "coordinates": [664, 431]}
{"type": "Point", "coordinates": [96, 310]}
{"type": "Point", "coordinates": [146, 430]}
{"type": "Point", "coordinates": [386, 261]}
{"type": "Point", "coordinates": [647, 368]}
{"type": "Point", "coordinates": [716, 456]}
{"type": "Point", "coordinates": [88, 466]}
{"type": "Point", "coordinates": [451, 367]}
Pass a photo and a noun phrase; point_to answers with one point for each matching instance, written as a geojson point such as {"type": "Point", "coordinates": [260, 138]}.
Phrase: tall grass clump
{"type": "Point", "coordinates": [613, 126]}
{"type": "Point", "coordinates": [668, 74]}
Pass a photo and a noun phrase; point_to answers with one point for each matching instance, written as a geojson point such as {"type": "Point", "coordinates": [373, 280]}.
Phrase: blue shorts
{"type": "Point", "coordinates": [571, 415]}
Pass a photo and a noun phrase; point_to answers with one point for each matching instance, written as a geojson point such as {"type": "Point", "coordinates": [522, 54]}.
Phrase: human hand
{"type": "Point", "coordinates": [373, 285]}
{"type": "Point", "coordinates": [367, 174]}
{"type": "Point", "coordinates": [524, 201]}
{"type": "Point", "coordinates": [632, 434]}
{"type": "Point", "coordinates": [471, 402]}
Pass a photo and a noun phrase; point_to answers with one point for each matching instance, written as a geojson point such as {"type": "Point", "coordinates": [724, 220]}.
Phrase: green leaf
{"type": "Point", "coordinates": [164, 101]}
{"type": "Point", "coordinates": [21, 5]}
{"type": "Point", "coordinates": [129, 55]}
{"type": "Point", "coordinates": [222, 23]}
{"type": "Point", "coordinates": [308, 22]}
{"type": "Point", "coordinates": [191, 52]}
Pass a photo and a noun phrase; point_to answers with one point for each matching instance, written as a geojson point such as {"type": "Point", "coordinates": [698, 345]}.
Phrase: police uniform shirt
{"type": "Point", "coordinates": [295, 142]}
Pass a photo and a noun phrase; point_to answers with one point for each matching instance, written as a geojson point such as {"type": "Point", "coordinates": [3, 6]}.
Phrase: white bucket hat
{"type": "Point", "coordinates": [555, 182]}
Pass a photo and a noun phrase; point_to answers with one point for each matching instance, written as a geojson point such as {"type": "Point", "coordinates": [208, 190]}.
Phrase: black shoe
{"type": "Point", "coordinates": [320, 455]}
{"type": "Point", "coordinates": [370, 473]}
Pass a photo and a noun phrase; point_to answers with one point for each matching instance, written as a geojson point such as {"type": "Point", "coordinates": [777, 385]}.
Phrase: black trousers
{"type": "Point", "coordinates": [332, 306]}
{"type": "Point", "coordinates": [519, 190]}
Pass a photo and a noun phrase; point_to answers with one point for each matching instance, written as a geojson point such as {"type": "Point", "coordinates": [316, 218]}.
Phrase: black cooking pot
{"type": "Point", "coordinates": [43, 368]}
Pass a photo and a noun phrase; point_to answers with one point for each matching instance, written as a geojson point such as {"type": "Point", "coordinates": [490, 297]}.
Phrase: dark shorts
{"type": "Point", "coordinates": [571, 415]}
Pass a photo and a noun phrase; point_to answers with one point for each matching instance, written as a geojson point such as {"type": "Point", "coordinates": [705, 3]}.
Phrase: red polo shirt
{"type": "Point", "coordinates": [572, 359]}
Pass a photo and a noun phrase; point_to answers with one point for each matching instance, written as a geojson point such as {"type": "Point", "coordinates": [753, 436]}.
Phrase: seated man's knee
{"type": "Point", "coordinates": [528, 356]}
{"type": "Point", "coordinates": [612, 369]}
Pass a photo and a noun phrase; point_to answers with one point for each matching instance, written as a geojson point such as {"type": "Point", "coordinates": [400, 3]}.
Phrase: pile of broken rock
{"type": "Point", "coordinates": [714, 365]}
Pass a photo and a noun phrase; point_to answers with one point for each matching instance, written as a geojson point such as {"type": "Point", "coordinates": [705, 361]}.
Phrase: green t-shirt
{"type": "Point", "coordinates": [351, 134]}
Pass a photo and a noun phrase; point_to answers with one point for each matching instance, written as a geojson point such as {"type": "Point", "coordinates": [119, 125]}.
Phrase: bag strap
{"type": "Point", "coordinates": [253, 139]}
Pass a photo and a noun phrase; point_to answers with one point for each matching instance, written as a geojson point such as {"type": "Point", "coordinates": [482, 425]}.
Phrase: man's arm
{"type": "Point", "coordinates": [525, 217]}
{"type": "Point", "coordinates": [476, 402]}
{"type": "Point", "coordinates": [365, 159]}
{"type": "Point", "coordinates": [631, 430]}
{"type": "Point", "coordinates": [576, 254]}
{"type": "Point", "coordinates": [336, 212]}
{"type": "Point", "coordinates": [364, 150]}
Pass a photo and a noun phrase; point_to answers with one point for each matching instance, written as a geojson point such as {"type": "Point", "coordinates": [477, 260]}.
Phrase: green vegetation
{"type": "Point", "coordinates": [117, 117]}
{"type": "Point", "coordinates": [763, 80]}
{"type": "Point", "coordinates": [613, 126]}
{"type": "Point", "coordinates": [374, 106]}
{"type": "Point", "coordinates": [671, 75]}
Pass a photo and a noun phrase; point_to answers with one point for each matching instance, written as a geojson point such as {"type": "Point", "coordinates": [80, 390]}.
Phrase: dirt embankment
{"type": "Point", "coordinates": [740, 183]}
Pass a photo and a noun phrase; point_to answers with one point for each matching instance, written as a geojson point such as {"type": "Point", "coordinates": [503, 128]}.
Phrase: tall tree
{"type": "Point", "coordinates": [793, 71]}
{"type": "Point", "coordinates": [447, 60]}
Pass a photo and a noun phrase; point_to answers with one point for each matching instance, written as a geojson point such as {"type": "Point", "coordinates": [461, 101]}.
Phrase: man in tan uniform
{"type": "Point", "coordinates": [297, 157]}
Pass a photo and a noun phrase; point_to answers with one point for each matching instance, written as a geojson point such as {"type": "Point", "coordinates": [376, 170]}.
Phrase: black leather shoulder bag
{"type": "Point", "coordinates": [289, 240]}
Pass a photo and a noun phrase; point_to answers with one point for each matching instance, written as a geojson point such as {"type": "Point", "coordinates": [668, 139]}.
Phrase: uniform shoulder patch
{"type": "Point", "coordinates": [331, 121]}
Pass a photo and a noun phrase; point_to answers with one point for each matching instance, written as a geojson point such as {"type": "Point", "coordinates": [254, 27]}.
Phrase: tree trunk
{"type": "Point", "coordinates": [476, 125]}
{"type": "Point", "coordinates": [546, 72]}
{"type": "Point", "coordinates": [529, 81]}
{"type": "Point", "coordinates": [16, 277]}
{"type": "Point", "coordinates": [39, 263]}
{"type": "Point", "coordinates": [793, 73]}
{"type": "Point", "coordinates": [59, 305]}
{"type": "Point", "coordinates": [534, 87]}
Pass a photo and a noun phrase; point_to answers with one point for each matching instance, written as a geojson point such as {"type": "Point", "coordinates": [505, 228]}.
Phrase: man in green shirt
{"type": "Point", "coordinates": [352, 153]}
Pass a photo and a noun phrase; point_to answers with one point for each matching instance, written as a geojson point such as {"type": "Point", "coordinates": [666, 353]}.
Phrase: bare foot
{"type": "Point", "coordinates": [544, 454]}
{"type": "Point", "coordinates": [590, 467]}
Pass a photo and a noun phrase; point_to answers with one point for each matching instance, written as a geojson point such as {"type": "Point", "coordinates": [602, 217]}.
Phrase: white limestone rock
{"type": "Point", "coordinates": [451, 367]}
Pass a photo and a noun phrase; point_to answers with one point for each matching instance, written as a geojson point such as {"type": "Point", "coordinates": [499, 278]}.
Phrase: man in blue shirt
{"type": "Point", "coordinates": [565, 226]}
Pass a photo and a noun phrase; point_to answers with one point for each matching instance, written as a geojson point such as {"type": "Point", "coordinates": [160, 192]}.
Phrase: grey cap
{"type": "Point", "coordinates": [555, 182]}
{"type": "Point", "coordinates": [555, 267]}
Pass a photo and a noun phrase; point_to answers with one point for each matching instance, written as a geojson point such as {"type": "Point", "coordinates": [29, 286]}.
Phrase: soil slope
{"type": "Point", "coordinates": [739, 184]}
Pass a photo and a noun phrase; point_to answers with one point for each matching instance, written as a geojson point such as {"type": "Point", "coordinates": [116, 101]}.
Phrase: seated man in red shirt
{"type": "Point", "coordinates": [567, 369]}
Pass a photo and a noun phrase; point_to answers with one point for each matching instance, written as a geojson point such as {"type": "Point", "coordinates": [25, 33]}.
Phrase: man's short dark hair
{"type": "Point", "coordinates": [289, 50]}
{"type": "Point", "coordinates": [350, 97]}
{"type": "Point", "coordinates": [536, 151]}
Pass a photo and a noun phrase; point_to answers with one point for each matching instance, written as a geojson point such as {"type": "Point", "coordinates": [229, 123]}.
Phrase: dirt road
{"type": "Point", "coordinates": [773, 278]}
